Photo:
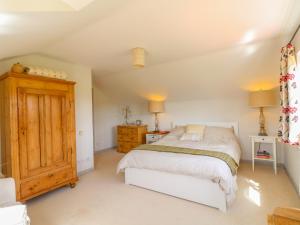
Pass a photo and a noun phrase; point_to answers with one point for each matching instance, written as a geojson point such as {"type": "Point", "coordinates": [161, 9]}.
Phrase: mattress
{"type": "Point", "coordinates": [204, 167]}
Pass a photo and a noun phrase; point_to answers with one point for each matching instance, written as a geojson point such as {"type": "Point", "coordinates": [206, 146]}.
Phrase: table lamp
{"type": "Point", "coordinates": [261, 99]}
{"type": "Point", "coordinates": [156, 107]}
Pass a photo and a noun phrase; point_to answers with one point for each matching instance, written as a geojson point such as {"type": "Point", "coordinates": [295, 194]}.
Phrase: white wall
{"type": "Point", "coordinates": [209, 87]}
{"type": "Point", "coordinates": [83, 101]}
{"type": "Point", "coordinates": [292, 154]}
{"type": "Point", "coordinates": [292, 165]}
{"type": "Point", "coordinates": [107, 115]}
{"type": "Point", "coordinates": [218, 110]}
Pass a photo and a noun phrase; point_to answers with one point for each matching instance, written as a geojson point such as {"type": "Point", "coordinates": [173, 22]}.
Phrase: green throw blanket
{"type": "Point", "coordinates": [219, 155]}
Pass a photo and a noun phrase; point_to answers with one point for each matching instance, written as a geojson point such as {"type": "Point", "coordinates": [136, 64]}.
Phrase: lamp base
{"type": "Point", "coordinates": [156, 123]}
{"type": "Point", "coordinates": [262, 130]}
{"type": "Point", "coordinates": [262, 134]}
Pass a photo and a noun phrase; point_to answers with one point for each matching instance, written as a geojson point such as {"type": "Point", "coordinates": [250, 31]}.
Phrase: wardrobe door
{"type": "Point", "coordinates": [57, 103]}
{"type": "Point", "coordinates": [31, 115]}
{"type": "Point", "coordinates": [42, 130]}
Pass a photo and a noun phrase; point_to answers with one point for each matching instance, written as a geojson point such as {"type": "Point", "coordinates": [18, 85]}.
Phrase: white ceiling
{"type": "Point", "coordinates": [171, 30]}
{"type": "Point", "coordinates": [102, 34]}
{"type": "Point", "coordinates": [228, 73]}
{"type": "Point", "coordinates": [30, 32]}
{"type": "Point", "coordinates": [78, 4]}
{"type": "Point", "coordinates": [34, 5]}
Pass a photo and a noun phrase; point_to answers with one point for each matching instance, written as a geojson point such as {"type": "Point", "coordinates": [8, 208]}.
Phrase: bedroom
{"type": "Point", "coordinates": [199, 63]}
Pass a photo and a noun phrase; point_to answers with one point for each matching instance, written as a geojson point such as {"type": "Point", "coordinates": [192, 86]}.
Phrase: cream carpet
{"type": "Point", "coordinates": [102, 198]}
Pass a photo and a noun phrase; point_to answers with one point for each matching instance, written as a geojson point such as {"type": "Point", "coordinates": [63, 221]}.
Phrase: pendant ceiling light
{"type": "Point", "coordinates": [138, 57]}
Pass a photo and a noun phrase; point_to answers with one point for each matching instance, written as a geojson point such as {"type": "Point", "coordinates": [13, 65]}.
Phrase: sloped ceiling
{"type": "Point", "coordinates": [171, 30]}
{"type": "Point", "coordinates": [30, 32]}
{"type": "Point", "coordinates": [228, 73]}
{"type": "Point", "coordinates": [231, 41]}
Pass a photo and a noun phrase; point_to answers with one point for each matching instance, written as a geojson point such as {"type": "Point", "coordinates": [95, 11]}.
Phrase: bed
{"type": "Point", "coordinates": [199, 178]}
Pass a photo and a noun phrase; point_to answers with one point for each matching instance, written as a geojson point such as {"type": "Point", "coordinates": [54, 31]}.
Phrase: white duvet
{"type": "Point", "coordinates": [215, 139]}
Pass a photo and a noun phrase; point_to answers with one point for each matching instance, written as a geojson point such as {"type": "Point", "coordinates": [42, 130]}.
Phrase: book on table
{"type": "Point", "coordinates": [263, 154]}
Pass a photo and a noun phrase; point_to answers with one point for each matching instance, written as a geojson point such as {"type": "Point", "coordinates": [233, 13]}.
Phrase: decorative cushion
{"type": "Point", "coordinates": [195, 129]}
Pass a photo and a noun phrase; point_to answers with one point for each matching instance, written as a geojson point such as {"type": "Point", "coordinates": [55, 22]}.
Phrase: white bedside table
{"type": "Point", "coordinates": [154, 136]}
{"type": "Point", "coordinates": [269, 140]}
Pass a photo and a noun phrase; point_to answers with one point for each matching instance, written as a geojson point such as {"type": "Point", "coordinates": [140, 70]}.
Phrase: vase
{"type": "Point", "coordinates": [17, 68]}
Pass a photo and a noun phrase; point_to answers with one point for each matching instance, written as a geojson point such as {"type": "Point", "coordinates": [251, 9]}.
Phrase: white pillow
{"type": "Point", "coordinates": [190, 137]}
{"type": "Point", "coordinates": [219, 133]}
{"type": "Point", "coordinates": [195, 129]}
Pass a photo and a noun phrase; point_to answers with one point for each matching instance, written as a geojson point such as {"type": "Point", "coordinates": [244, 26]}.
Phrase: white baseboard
{"type": "Point", "coordinates": [297, 187]}
{"type": "Point", "coordinates": [104, 149]}
{"type": "Point", "coordinates": [85, 171]}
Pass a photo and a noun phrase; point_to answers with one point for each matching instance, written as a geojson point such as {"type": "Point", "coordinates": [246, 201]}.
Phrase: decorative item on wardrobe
{"type": "Point", "coordinates": [289, 127]}
{"type": "Point", "coordinates": [40, 71]}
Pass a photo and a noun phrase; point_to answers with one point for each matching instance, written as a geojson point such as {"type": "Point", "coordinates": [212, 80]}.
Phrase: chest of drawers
{"type": "Point", "coordinates": [130, 136]}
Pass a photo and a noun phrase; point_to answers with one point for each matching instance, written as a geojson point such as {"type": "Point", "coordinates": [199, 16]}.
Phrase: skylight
{"type": "Point", "coordinates": [78, 4]}
{"type": "Point", "coordinates": [42, 6]}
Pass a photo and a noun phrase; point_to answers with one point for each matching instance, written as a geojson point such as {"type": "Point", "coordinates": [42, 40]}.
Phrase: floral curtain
{"type": "Point", "coordinates": [289, 128]}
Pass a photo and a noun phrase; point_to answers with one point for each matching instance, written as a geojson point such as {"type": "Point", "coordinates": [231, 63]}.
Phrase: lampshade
{"type": "Point", "coordinates": [262, 98]}
{"type": "Point", "coordinates": [156, 106]}
{"type": "Point", "coordinates": [138, 57]}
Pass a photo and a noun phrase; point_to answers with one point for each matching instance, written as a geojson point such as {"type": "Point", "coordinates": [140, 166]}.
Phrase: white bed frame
{"type": "Point", "coordinates": [198, 190]}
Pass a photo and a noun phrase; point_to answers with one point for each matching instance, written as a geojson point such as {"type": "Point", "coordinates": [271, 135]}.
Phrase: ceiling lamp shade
{"type": "Point", "coordinates": [138, 57]}
{"type": "Point", "coordinates": [156, 106]}
{"type": "Point", "coordinates": [262, 98]}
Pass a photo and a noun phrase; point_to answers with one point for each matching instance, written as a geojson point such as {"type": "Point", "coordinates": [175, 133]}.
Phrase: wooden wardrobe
{"type": "Point", "coordinates": [37, 133]}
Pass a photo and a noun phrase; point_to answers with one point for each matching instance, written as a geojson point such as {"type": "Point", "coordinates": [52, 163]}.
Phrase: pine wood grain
{"type": "Point", "coordinates": [37, 133]}
{"type": "Point", "coordinates": [130, 136]}
{"type": "Point", "coordinates": [284, 216]}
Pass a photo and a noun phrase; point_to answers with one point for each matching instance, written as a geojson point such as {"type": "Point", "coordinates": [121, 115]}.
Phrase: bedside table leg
{"type": "Point", "coordinates": [253, 154]}
{"type": "Point", "coordinates": [275, 157]}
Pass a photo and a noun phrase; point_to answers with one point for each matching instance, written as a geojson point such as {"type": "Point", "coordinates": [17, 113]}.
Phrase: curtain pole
{"type": "Point", "coordinates": [294, 34]}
